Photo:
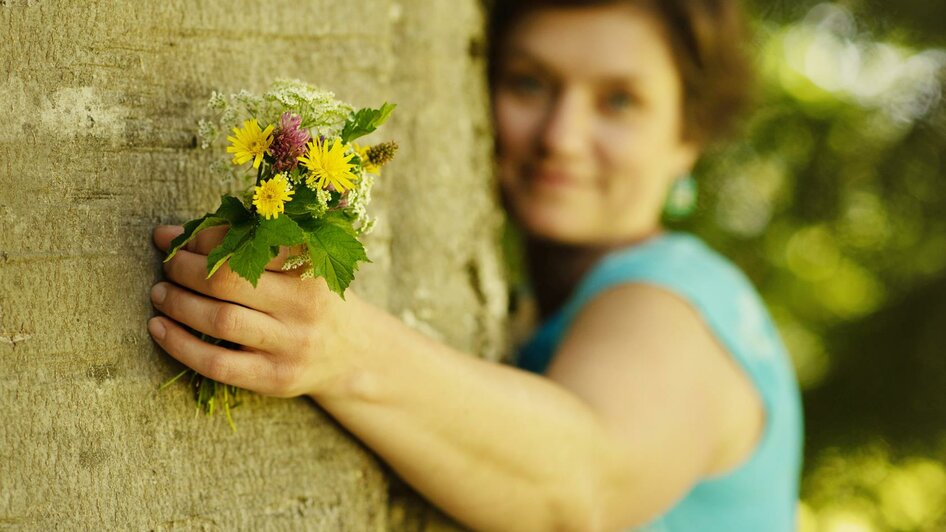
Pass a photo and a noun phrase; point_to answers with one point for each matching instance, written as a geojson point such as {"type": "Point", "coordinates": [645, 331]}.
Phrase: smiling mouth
{"type": "Point", "coordinates": [552, 178]}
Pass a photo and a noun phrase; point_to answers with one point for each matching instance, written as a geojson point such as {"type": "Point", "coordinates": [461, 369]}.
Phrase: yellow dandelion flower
{"type": "Point", "coordinates": [270, 196]}
{"type": "Point", "coordinates": [250, 143]}
{"type": "Point", "coordinates": [329, 165]}
{"type": "Point", "coordinates": [366, 163]}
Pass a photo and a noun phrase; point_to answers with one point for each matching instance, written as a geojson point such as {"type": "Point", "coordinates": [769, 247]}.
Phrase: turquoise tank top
{"type": "Point", "coordinates": [762, 493]}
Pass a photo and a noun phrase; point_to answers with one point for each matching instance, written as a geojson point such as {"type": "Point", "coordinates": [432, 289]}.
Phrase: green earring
{"type": "Point", "coordinates": [681, 201]}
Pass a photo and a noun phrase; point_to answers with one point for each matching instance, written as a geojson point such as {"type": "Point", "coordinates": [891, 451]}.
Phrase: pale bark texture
{"type": "Point", "coordinates": [98, 105]}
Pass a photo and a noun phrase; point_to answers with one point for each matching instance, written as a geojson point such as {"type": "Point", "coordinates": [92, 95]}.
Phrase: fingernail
{"type": "Point", "coordinates": [156, 328]}
{"type": "Point", "coordinates": [158, 293]}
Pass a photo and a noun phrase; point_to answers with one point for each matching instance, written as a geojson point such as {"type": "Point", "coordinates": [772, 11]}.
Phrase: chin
{"type": "Point", "coordinates": [555, 218]}
{"type": "Point", "coordinates": [552, 225]}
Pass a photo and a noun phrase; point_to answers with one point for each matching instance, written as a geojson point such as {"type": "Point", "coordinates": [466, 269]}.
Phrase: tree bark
{"type": "Point", "coordinates": [99, 105]}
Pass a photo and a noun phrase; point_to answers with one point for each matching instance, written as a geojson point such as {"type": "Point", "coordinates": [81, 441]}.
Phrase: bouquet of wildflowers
{"type": "Point", "coordinates": [308, 184]}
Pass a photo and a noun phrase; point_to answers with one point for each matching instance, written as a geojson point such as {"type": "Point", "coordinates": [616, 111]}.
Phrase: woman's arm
{"type": "Point", "coordinates": [631, 415]}
{"type": "Point", "coordinates": [495, 447]}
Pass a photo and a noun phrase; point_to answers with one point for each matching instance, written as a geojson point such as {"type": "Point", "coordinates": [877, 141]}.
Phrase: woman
{"type": "Point", "coordinates": [656, 393]}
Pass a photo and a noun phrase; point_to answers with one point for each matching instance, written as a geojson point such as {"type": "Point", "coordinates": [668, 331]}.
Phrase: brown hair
{"type": "Point", "coordinates": [707, 39]}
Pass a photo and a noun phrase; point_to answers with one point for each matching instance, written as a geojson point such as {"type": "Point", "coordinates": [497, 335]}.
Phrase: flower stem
{"type": "Point", "coordinates": [209, 393]}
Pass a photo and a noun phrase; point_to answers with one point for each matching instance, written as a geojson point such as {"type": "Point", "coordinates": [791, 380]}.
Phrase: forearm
{"type": "Point", "coordinates": [493, 446]}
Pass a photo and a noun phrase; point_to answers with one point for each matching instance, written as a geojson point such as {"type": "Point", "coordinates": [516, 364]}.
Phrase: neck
{"type": "Point", "coordinates": [556, 269]}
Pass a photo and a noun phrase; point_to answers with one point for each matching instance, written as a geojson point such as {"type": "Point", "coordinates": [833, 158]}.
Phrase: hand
{"type": "Point", "coordinates": [292, 330]}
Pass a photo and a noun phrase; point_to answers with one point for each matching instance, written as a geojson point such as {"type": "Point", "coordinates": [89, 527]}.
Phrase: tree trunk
{"type": "Point", "coordinates": [97, 145]}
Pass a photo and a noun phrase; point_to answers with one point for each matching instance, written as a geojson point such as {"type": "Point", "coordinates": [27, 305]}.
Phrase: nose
{"type": "Point", "coordinates": [567, 125]}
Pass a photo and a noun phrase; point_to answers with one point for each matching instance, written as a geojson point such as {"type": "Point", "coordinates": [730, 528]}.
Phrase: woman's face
{"type": "Point", "coordinates": [587, 107]}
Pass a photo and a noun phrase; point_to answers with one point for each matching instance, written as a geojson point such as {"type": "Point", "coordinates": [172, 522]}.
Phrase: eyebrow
{"type": "Point", "coordinates": [546, 68]}
{"type": "Point", "coordinates": [521, 53]}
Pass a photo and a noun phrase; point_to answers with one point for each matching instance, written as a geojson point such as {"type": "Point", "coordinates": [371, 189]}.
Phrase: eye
{"type": "Point", "coordinates": [526, 84]}
{"type": "Point", "coordinates": [619, 101]}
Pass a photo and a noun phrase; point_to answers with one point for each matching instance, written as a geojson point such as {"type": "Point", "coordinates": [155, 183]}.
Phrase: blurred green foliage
{"type": "Point", "coordinates": [832, 200]}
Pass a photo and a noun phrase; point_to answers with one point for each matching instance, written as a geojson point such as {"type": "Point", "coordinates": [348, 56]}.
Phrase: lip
{"type": "Point", "coordinates": [554, 178]}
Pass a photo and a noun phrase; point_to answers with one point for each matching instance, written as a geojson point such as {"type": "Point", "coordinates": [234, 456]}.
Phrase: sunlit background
{"type": "Point", "coordinates": [833, 202]}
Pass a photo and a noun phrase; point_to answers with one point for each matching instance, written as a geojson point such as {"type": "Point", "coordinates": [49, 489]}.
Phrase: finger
{"type": "Point", "coordinates": [273, 290]}
{"type": "Point", "coordinates": [245, 369]}
{"type": "Point", "coordinates": [209, 238]}
{"type": "Point", "coordinates": [217, 318]}
{"type": "Point", "coordinates": [164, 234]}
{"type": "Point", "coordinates": [203, 241]}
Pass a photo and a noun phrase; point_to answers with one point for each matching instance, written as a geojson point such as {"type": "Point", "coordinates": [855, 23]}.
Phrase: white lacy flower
{"type": "Point", "coordinates": [358, 200]}
{"type": "Point", "coordinates": [217, 101]}
{"type": "Point", "coordinates": [207, 132]}
{"type": "Point", "coordinates": [323, 196]}
{"type": "Point", "coordinates": [250, 102]}
{"type": "Point", "coordinates": [318, 108]}
{"type": "Point", "coordinates": [294, 261]}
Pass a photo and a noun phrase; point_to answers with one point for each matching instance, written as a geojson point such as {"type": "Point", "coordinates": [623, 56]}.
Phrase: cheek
{"type": "Point", "coordinates": [624, 155]}
{"type": "Point", "coordinates": [633, 170]}
{"type": "Point", "coordinates": [641, 151]}
{"type": "Point", "coordinates": [516, 126]}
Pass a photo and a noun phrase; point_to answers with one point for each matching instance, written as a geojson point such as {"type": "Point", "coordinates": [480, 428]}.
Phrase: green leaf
{"type": "Point", "coordinates": [364, 121]}
{"type": "Point", "coordinates": [340, 219]}
{"type": "Point", "coordinates": [191, 229]}
{"type": "Point", "coordinates": [302, 197]}
{"type": "Point", "coordinates": [335, 253]}
{"type": "Point", "coordinates": [249, 260]}
{"type": "Point", "coordinates": [213, 264]}
{"type": "Point", "coordinates": [231, 211]}
{"type": "Point", "coordinates": [281, 231]}
{"type": "Point", "coordinates": [235, 237]}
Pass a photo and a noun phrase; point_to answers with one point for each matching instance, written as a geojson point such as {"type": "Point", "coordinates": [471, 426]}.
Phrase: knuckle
{"type": "Point", "coordinates": [309, 301]}
{"type": "Point", "coordinates": [223, 281]}
{"type": "Point", "coordinates": [285, 378]}
{"type": "Point", "coordinates": [268, 339]}
{"type": "Point", "coordinates": [301, 296]}
{"type": "Point", "coordinates": [307, 342]}
{"type": "Point", "coordinates": [226, 320]}
{"type": "Point", "coordinates": [219, 368]}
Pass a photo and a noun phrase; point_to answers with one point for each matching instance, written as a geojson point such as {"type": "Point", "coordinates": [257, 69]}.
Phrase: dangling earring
{"type": "Point", "coordinates": [681, 201]}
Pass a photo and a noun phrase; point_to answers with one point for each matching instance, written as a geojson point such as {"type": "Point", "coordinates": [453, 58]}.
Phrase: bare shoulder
{"type": "Point", "coordinates": [650, 366]}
